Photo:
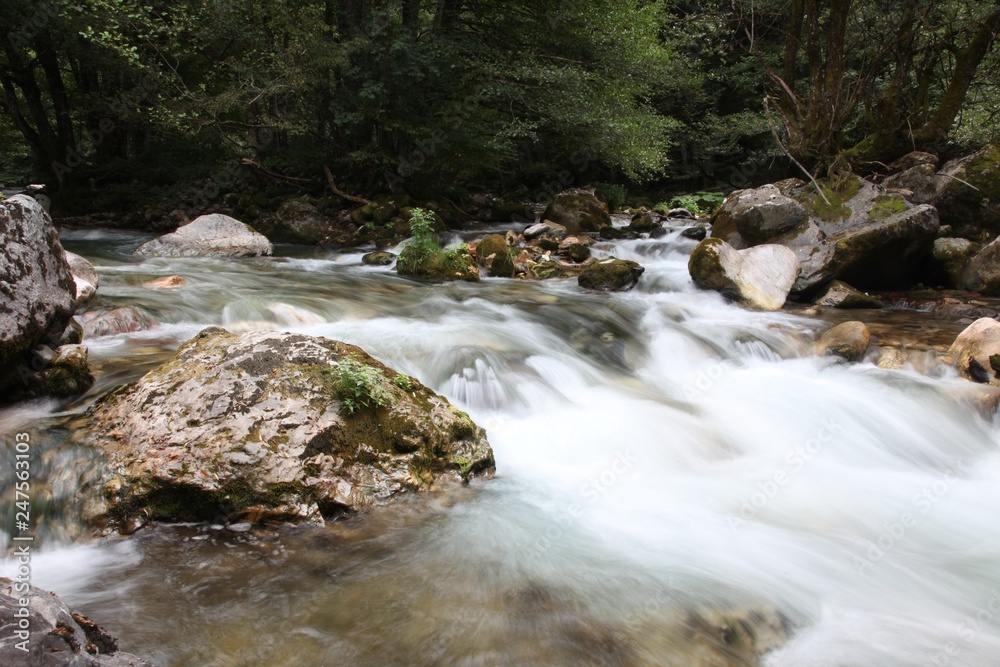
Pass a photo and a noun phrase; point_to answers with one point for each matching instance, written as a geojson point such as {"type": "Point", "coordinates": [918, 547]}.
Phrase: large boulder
{"type": "Point", "coordinates": [885, 253]}
{"type": "Point", "coordinates": [982, 272]}
{"type": "Point", "coordinates": [213, 235]}
{"type": "Point", "coordinates": [578, 210]}
{"type": "Point", "coordinates": [611, 275]}
{"type": "Point", "coordinates": [37, 291]}
{"type": "Point", "coordinates": [967, 193]}
{"type": "Point", "coordinates": [297, 221]}
{"type": "Point", "coordinates": [951, 256]}
{"type": "Point", "coordinates": [53, 636]}
{"type": "Point", "coordinates": [751, 217]}
{"type": "Point", "coordinates": [976, 351]}
{"type": "Point", "coordinates": [84, 276]}
{"type": "Point", "coordinates": [858, 233]}
{"type": "Point", "coordinates": [277, 425]}
{"type": "Point", "coordinates": [760, 276]}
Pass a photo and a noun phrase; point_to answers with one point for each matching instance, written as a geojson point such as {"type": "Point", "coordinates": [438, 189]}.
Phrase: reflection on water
{"type": "Point", "coordinates": [660, 454]}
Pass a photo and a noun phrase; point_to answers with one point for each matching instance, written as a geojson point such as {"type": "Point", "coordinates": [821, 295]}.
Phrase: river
{"type": "Point", "coordinates": [659, 453]}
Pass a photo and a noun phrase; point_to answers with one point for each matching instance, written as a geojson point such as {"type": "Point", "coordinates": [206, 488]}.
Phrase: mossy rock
{"type": "Point", "coordinates": [983, 171]}
{"type": "Point", "coordinates": [378, 258]}
{"type": "Point", "coordinates": [546, 270]}
{"type": "Point", "coordinates": [643, 223]}
{"type": "Point", "coordinates": [578, 211]}
{"type": "Point", "coordinates": [252, 427]}
{"type": "Point", "coordinates": [578, 252]}
{"type": "Point", "coordinates": [611, 275]}
{"type": "Point", "coordinates": [449, 264]}
{"type": "Point", "coordinates": [495, 256]}
{"type": "Point", "coordinates": [838, 194]}
{"type": "Point", "coordinates": [886, 206]}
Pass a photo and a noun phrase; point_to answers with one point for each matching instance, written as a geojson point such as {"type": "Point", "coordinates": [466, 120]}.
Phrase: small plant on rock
{"type": "Point", "coordinates": [358, 386]}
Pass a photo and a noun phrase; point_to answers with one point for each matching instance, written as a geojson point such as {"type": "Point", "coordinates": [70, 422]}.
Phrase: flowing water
{"type": "Point", "coordinates": [658, 452]}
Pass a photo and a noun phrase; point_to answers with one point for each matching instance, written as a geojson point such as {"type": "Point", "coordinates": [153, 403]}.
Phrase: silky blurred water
{"type": "Point", "coordinates": [658, 451]}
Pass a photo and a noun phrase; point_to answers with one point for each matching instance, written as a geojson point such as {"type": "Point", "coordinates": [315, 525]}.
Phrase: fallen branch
{"type": "Point", "coordinates": [273, 175]}
{"type": "Point", "coordinates": [337, 191]}
{"type": "Point", "coordinates": [774, 131]}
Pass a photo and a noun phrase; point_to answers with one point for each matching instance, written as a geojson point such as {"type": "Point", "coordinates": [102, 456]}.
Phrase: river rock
{"type": "Point", "coordinates": [277, 425]}
{"type": "Point", "coordinates": [57, 637]}
{"type": "Point", "coordinates": [84, 276]}
{"type": "Point", "coordinates": [968, 194]}
{"type": "Point", "coordinates": [885, 253]}
{"type": "Point", "coordinates": [848, 340]}
{"type": "Point", "coordinates": [37, 291]}
{"type": "Point", "coordinates": [951, 255]}
{"type": "Point", "coordinates": [611, 275]}
{"type": "Point", "coordinates": [213, 235]}
{"type": "Point", "coordinates": [578, 210]}
{"type": "Point", "coordinates": [756, 216]}
{"type": "Point", "coordinates": [643, 223]}
{"type": "Point", "coordinates": [841, 295]}
{"type": "Point", "coordinates": [65, 374]}
{"type": "Point", "coordinates": [982, 272]}
{"type": "Point", "coordinates": [760, 276]}
{"type": "Point", "coordinates": [110, 322]}
{"type": "Point", "coordinates": [680, 213]}
{"type": "Point", "coordinates": [494, 255]}
{"type": "Point", "coordinates": [437, 265]}
{"type": "Point", "coordinates": [297, 221]}
{"type": "Point", "coordinates": [977, 351]}
{"type": "Point", "coordinates": [378, 258]}
{"type": "Point", "coordinates": [166, 282]}
{"type": "Point", "coordinates": [544, 227]}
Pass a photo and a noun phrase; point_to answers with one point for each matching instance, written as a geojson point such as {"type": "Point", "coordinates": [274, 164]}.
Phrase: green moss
{"type": "Point", "coordinates": [838, 194]}
{"type": "Point", "coordinates": [886, 206]}
{"type": "Point", "coordinates": [546, 270]}
{"type": "Point", "coordinates": [453, 263]}
{"type": "Point", "coordinates": [357, 386]}
{"type": "Point", "coordinates": [984, 172]}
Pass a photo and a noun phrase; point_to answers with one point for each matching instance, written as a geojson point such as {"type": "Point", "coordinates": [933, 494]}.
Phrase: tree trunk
{"type": "Point", "coordinates": [967, 61]}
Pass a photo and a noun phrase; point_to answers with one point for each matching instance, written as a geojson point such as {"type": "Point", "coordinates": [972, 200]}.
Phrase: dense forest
{"type": "Point", "coordinates": [114, 103]}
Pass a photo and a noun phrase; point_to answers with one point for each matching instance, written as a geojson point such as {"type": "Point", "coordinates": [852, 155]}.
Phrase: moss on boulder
{"type": "Point", "coordinates": [611, 275]}
{"type": "Point", "coordinates": [253, 426]}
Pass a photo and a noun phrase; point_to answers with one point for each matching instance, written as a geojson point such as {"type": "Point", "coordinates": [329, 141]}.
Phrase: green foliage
{"type": "Point", "coordinates": [837, 194]}
{"type": "Point", "coordinates": [404, 382]}
{"type": "Point", "coordinates": [886, 206]}
{"type": "Point", "coordinates": [358, 386]}
{"type": "Point", "coordinates": [612, 194]}
{"type": "Point", "coordinates": [699, 203]}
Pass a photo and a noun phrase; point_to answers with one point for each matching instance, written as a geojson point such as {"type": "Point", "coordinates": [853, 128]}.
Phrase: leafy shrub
{"type": "Point", "coordinates": [699, 203]}
{"type": "Point", "coordinates": [613, 194]}
{"type": "Point", "coordinates": [358, 386]}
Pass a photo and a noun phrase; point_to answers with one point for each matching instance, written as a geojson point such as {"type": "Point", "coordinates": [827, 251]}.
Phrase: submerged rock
{"type": "Point", "coordinates": [166, 282]}
{"type": "Point", "coordinates": [276, 425]}
{"type": "Point", "coordinates": [214, 235]}
{"type": "Point", "coordinates": [977, 351]}
{"type": "Point", "coordinates": [848, 340]}
{"type": "Point", "coordinates": [841, 295]}
{"type": "Point", "coordinates": [760, 276]}
{"type": "Point", "coordinates": [65, 373]}
{"type": "Point", "coordinates": [110, 322]}
{"type": "Point", "coordinates": [578, 210]}
{"type": "Point", "coordinates": [611, 275]}
{"type": "Point", "coordinates": [37, 291]}
{"type": "Point", "coordinates": [55, 636]}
